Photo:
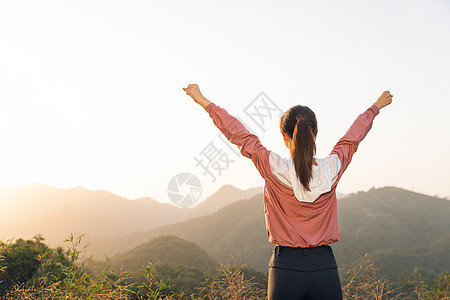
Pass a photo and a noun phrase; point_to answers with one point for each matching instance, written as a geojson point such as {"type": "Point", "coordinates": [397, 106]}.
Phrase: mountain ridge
{"type": "Point", "coordinates": [379, 221]}
{"type": "Point", "coordinates": [36, 208]}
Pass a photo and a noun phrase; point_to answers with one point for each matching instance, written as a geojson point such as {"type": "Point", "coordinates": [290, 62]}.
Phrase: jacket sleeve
{"type": "Point", "coordinates": [348, 144]}
{"type": "Point", "coordinates": [248, 143]}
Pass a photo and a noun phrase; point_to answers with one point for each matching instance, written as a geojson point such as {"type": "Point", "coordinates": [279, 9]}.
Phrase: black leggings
{"type": "Point", "coordinates": [303, 273]}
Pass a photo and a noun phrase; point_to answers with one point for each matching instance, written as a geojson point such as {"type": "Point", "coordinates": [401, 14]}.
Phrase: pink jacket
{"type": "Point", "coordinates": [291, 218]}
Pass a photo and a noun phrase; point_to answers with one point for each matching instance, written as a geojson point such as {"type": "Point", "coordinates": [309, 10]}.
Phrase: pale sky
{"type": "Point", "coordinates": [91, 91]}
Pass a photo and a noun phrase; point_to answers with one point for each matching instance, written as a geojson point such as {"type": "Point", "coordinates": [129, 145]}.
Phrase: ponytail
{"type": "Point", "coordinates": [299, 123]}
{"type": "Point", "coordinates": [303, 150]}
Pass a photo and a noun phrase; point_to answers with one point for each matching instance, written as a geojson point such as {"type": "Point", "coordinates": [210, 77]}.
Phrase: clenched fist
{"type": "Point", "coordinates": [384, 99]}
{"type": "Point", "coordinates": [193, 91]}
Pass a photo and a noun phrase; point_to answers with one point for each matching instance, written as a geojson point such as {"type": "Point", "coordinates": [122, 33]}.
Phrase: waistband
{"type": "Point", "coordinates": [310, 250]}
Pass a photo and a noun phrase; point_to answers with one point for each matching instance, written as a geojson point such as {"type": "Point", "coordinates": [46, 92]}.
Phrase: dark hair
{"type": "Point", "coordinates": [300, 124]}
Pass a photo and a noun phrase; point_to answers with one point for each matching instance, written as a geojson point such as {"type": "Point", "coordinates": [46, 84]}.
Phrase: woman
{"type": "Point", "coordinates": [300, 203]}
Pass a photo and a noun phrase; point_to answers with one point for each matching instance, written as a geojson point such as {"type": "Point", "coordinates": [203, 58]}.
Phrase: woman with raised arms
{"type": "Point", "coordinates": [300, 203]}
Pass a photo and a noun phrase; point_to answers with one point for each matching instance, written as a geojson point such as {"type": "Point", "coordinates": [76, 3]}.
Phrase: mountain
{"type": "Point", "coordinates": [400, 229]}
{"type": "Point", "coordinates": [244, 218]}
{"type": "Point", "coordinates": [55, 213]}
{"type": "Point", "coordinates": [226, 195]}
{"type": "Point", "coordinates": [168, 249]}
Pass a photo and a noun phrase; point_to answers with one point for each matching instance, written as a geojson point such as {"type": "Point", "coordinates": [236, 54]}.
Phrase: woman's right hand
{"type": "Point", "coordinates": [384, 99]}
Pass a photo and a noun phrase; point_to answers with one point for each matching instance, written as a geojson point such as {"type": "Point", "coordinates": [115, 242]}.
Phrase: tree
{"type": "Point", "coordinates": [24, 260]}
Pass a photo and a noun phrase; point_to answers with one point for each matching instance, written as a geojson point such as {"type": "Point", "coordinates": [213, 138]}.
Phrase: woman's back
{"type": "Point", "coordinates": [290, 220]}
{"type": "Point", "coordinates": [300, 204]}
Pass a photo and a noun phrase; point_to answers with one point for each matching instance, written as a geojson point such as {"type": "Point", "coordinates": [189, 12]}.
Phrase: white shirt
{"type": "Point", "coordinates": [323, 175]}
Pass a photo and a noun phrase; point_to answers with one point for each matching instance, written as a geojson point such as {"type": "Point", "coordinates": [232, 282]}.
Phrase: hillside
{"type": "Point", "coordinates": [168, 249]}
{"type": "Point", "coordinates": [55, 213]}
{"type": "Point", "coordinates": [398, 228]}
{"type": "Point", "coordinates": [230, 230]}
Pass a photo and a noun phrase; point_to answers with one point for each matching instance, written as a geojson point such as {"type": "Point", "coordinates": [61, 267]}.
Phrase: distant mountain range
{"type": "Point", "coordinates": [37, 208]}
{"type": "Point", "coordinates": [399, 229]}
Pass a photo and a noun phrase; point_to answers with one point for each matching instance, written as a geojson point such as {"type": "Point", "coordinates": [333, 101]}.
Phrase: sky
{"type": "Point", "coordinates": [91, 91]}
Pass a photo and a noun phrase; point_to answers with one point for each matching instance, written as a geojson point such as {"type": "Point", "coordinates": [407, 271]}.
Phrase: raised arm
{"type": "Point", "coordinates": [249, 144]}
{"type": "Point", "coordinates": [348, 144]}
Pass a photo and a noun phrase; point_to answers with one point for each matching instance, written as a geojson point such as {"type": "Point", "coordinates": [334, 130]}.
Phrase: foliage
{"type": "Point", "coordinates": [181, 277]}
{"type": "Point", "coordinates": [68, 275]}
{"type": "Point", "coordinates": [76, 279]}
{"type": "Point", "coordinates": [232, 284]}
{"type": "Point", "coordinates": [4, 247]}
{"type": "Point", "coordinates": [72, 281]}
{"type": "Point", "coordinates": [24, 261]}
{"type": "Point", "coordinates": [361, 282]}
{"type": "Point", "coordinates": [439, 290]}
